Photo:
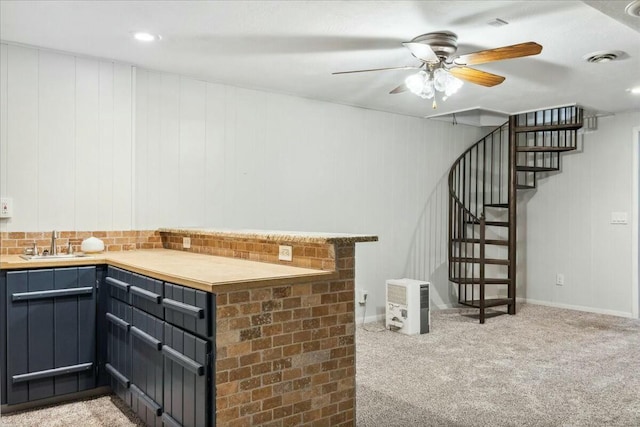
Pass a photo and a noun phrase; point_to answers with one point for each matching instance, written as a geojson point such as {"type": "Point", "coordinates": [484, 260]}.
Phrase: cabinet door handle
{"type": "Point", "coordinates": [145, 294]}
{"type": "Point", "coordinates": [118, 321]}
{"type": "Point", "coordinates": [25, 296]}
{"type": "Point", "coordinates": [47, 373]}
{"type": "Point", "coordinates": [188, 309]}
{"type": "Point", "coordinates": [117, 284]}
{"type": "Point", "coordinates": [183, 360]}
{"type": "Point", "coordinates": [117, 375]}
{"type": "Point", "coordinates": [146, 338]}
{"type": "Point", "coordinates": [146, 400]}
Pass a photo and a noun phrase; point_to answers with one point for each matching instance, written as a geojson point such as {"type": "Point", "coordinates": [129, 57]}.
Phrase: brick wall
{"type": "Point", "coordinates": [286, 354]}
{"type": "Point", "coordinates": [14, 243]}
{"type": "Point", "coordinates": [319, 256]}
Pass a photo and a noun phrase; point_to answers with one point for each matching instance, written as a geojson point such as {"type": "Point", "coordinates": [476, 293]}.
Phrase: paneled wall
{"type": "Point", "coordinates": [209, 155]}
{"type": "Point", "coordinates": [568, 227]}
{"type": "Point", "coordinates": [65, 141]}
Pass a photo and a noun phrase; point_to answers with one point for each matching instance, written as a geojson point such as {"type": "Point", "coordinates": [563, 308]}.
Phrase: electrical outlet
{"type": "Point", "coordinates": [186, 242]}
{"type": "Point", "coordinates": [6, 207]}
{"type": "Point", "coordinates": [363, 297]}
{"type": "Point", "coordinates": [560, 279]}
{"type": "Point", "coordinates": [285, 253]}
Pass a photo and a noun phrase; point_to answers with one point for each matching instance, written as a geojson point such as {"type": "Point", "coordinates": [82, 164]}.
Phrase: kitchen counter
{"type": "Point", "coordinates": [205, 272]}
{"type": "Point", "coordinates": [275, 235]}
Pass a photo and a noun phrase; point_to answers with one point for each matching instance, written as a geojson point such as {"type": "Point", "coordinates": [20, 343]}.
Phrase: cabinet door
{"type": "Point", "coordinates": [186, 375]}
{"type": "Point", "coordinates": [50, 332]}
{"type": "Point", "coordinates": [146, 376]}
{"type": "Point", "coordinates": [118, 362]}
{"type": "Point", "coordinates": [3, 338]}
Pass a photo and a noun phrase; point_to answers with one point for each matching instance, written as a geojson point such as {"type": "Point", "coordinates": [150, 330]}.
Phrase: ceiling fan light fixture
{"type": "Point", "coordinates": [633, 9]}
{"type": "Point", "coordinates": [427, 84]}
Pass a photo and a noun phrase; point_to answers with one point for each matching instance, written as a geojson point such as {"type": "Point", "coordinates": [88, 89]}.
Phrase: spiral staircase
{"type": "Point", "coordinates": [483, 186]}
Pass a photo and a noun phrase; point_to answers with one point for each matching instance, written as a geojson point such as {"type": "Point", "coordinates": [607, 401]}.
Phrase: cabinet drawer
{"type": "Point", "coordinates": [118, 282]}
{"type": "Point", "coordinates": [140, 291]}
{"type": "Point", "coordinates": [190, 309]}
{"type": "Point", "coordinates": [186, 374]}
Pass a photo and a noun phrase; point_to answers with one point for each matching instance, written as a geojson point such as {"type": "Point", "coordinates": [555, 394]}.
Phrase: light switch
{"type": "Point", "coordinates": [619, 218]}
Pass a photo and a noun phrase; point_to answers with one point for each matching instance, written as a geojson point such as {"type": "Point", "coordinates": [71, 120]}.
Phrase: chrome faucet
{"type": "Point", "coordinates": [53, 250]}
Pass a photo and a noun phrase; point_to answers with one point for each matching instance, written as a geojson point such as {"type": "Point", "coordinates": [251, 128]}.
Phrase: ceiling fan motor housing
{"type": "Point", "coordinates": [443, 43]}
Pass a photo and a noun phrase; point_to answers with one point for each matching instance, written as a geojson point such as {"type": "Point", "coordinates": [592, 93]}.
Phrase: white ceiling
{"type": "Point", "coordinates": [293, 46]}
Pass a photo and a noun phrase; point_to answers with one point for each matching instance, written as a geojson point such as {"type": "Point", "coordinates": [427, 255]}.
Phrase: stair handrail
{"type": "Point", "coordinates": [456, 163]}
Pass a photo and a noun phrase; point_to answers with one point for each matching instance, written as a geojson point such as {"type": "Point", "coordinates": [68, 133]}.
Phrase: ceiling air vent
{"type": "Point", "coordinates": [598, 57]}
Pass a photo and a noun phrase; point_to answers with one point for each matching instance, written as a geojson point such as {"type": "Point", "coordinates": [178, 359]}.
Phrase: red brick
{"type": "Point", "coordinates": [271, 403]}
{"type": "Point", "coordinates": [249, 359]}
{"type": "Point", "coordinates": [283, 411]}
{"type": "Point", "coordinates": [260, 344]}
{"type": "Point", "coordinates": [290, 350]}
{"type": "Point", "coordinates": [236, 297]}
{"type": "Point", "coordinates": [262, 417]}
{"type": "Point", "coordinates": [240, 373]}
{"type": "Point", "coordinates": [250, 383]}
{"type": "Point", "coordinates": [261, 368]}
{"type": "Point", "coordinates": [261, 393]}
{"type": "Point", "coordinates": [281, 340]}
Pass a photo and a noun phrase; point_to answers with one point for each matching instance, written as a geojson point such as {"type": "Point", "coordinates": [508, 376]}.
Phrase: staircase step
{"type": "Point", "coordinates": [563, 126]}
{"type": "Point", "coordinates": [476, 281]}
{"type": "Point", "coordinates": [525, 187]}
{"type": "Point", "coordinates": [488, 302]}
{"type": "Point", "coordinates": [497, 205]}
{"type": "Point", "coordinates": [487, 241]}
{"type": "Point", "coordinates": [477, 260]}
{"type": "Point", "coordinates": [535, 169]}
{"type": "Point", "coordinates": [492, 223]}
{"type": "Point", "coordinates": [542, 149]}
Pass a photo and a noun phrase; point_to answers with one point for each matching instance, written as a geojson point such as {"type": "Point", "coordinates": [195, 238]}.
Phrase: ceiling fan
{"type": "Point", "coordinates": [442, 72]}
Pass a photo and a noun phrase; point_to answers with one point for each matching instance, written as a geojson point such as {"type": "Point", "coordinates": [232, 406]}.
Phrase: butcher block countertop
{"type": "Point", "coordinates": [205, 272]}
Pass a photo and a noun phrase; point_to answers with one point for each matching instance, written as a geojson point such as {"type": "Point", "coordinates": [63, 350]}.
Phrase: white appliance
{"type": "Point", "coordinates": [407, 309]}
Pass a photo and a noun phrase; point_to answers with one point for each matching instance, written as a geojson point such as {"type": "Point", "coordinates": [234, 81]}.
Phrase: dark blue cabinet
{"type": "Point", "coordinates": [50, 332]}
{"type": "Point", "coordinates": [160, 352]}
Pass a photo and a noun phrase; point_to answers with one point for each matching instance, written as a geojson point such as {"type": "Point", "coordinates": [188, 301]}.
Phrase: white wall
{"type": "Point", "coordinates": [65, 141]}
{"type": "Point", "coordinates": [210, 155]}
{"type": "Point", "coordinates": [568, 226]}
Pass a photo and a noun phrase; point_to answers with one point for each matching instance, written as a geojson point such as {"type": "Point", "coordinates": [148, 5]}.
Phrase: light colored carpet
{"type": "Point", "coordinates": [542, 367]}
{"type": "Point", "coordinates": [105, 411]}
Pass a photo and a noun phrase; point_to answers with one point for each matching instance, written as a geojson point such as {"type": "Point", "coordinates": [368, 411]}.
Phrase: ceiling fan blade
{"type": "Point", "coordinates": [499, 53]}
{"type": "Point", "coordinates": [478, 77]}
{"type": "Point", "coordinates": [422, 51]}
{"type": "Point", "coordinates": [402, 88]}
{"type": "Point", "coordinates": [408, 67]}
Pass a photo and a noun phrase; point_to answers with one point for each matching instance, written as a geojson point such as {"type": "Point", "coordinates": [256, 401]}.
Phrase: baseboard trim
{"type": "Point", "coordinates": [575, 307]}
{"type": "Point", "coordinates": [80, 395]}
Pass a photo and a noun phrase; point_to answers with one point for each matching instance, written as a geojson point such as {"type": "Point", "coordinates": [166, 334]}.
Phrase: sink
{"type": "Point", "coordinates": [53, 257]}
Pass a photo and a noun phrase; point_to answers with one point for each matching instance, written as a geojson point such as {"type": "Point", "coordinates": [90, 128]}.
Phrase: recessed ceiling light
{"type": "Point", "coordinates": [633, 8]}
{"type": "Point", "coordinates": [145, 37]}
{"type": "Point", "coordinates": [635, 90]}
